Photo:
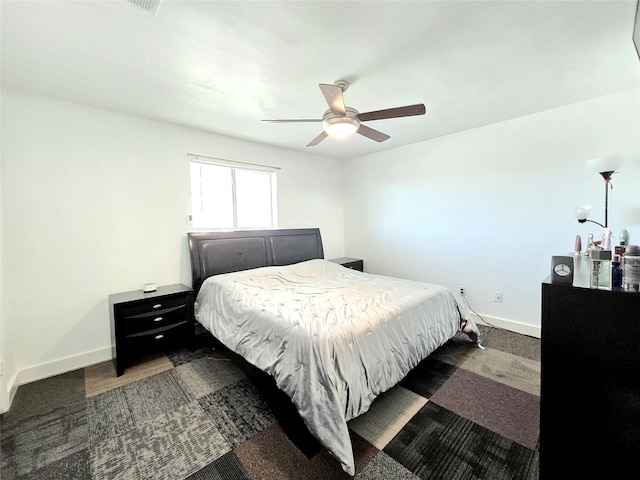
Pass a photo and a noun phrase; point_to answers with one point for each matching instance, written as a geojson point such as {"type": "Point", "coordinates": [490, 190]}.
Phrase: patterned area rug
{"type": "Point", "coordinates": [463, 413]}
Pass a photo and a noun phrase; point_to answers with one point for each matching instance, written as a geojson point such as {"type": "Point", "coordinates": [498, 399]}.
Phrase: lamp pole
{"type": "Point", "coordinates": [607, 179]}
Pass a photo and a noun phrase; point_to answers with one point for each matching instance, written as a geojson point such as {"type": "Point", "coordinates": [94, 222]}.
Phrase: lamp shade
{"type": "Point", "coordinates": [610, 163]}
{"type": "Point", "coordinates": [583, 212]}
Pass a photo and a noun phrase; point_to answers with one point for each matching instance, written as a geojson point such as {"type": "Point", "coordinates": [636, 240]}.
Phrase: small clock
{"type": "Point", "coordinates": [562, 269]}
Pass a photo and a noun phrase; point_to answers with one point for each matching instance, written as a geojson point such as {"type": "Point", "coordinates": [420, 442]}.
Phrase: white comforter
{"type": "Point", "coordinates": [333, 338]}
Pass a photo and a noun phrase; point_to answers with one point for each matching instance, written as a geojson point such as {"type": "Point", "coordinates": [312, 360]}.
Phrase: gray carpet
{"type": "Point", "coordinates": [438, 444]}
{"type": "Point", "coordinates": [493, 405]}
{"type": "Point", "coordinates": [45, 396]}
{"type": "Point", "coordinates": [42, 439]}
{"type": "Point", "coordinates": [463, 413]}
{"type": "Point", "coordinates": [174, 444]}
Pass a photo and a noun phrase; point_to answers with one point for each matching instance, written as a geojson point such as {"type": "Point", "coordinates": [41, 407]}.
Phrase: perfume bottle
{"type": "Point", "coordinates": [616, 272]}
{"type": "Point", "coordinates": [600, 269]}
{"type": "Point", "coordinates": [590, 245]}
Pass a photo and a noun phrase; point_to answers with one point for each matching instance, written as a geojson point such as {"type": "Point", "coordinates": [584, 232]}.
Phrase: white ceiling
{"type": "Point", "coordinates": [224, 66]}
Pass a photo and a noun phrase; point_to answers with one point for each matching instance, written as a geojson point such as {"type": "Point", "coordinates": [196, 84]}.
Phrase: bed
{"type": "Point", "coordinates": [319, 340]}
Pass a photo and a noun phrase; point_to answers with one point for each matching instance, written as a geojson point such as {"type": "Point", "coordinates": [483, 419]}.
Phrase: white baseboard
{"type": "Point", "coordinates": [523, 328]}
{"type": "Point", "coordinates": [46, 370]}
{"type": "Point", "coordinates": [63, 365]}
{"type": "Point", "coordinates": [8, 392]}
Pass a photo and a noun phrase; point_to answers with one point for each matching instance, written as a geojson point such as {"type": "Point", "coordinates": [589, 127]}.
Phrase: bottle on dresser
{"type": "Point", "coordinates": [619, 249]}
{"type": "Point", "coordinates": [616, 272]}
{"type": "Point", "coordinates": [631, 270]}
{"type": "Point", "coordinates": [600, 269]}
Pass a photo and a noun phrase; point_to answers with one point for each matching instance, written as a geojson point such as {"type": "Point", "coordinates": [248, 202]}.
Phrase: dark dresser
{"type": "Point", "coordinates": [143, 321]}
{"type": "Point", "coordinates": [590, 383]}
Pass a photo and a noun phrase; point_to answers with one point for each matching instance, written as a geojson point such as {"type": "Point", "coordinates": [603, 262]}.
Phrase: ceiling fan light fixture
{"type": "Point", "coordinates": [341, 125]}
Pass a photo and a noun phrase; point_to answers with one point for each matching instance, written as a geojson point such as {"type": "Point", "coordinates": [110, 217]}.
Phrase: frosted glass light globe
{"type": "Point", "coordinates": [583, 212]}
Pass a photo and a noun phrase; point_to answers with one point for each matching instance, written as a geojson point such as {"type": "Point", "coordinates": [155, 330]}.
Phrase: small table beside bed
{"type": "Point", "coordinates": [319, 340]}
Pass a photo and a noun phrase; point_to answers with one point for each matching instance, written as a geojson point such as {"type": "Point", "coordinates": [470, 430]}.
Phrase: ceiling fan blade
{"type": "Point", "coordinates": [318, 139]}
{"type": "Point", "coordinates": [293, 120]}
{"type": "Point", "coordinates": [407, 111]}
{"type": "Point", "coordinates": [333, 96]}
{"type": "Point", "coordinates": [372, 134]}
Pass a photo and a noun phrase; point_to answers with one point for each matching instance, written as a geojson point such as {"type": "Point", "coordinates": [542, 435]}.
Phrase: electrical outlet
{"type": "Point", "coordinates": [498, 297]}
{"type": "Point", "coordinates": [462, 292]}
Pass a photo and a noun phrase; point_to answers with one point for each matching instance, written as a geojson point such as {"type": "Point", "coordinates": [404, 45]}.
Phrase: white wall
{"type": "Point", "coordinates": [95, 202]}
{"type": "Point", "coordinates": [4, 345]}
{"type": "Point", "coordinates": [487, 208]}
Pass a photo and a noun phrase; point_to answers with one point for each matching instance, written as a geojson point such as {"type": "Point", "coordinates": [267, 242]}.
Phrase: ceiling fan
{"type": "Point", "coordinates": [341, 120]}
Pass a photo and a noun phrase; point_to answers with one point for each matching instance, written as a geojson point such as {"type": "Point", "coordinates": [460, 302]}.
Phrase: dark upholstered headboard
{"type": "Point", "coordinates": [213, 253]}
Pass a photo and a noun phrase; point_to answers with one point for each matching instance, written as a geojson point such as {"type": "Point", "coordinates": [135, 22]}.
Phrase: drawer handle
{"type": "Point", "coordinates": [159, 337]}
{"type": "Point", "coordinates": [157, 305]}
{"type": "Point", "coordinates": [157, 319]}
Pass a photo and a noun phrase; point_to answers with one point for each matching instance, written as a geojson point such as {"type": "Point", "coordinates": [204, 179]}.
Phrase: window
{"type": "Point", "coordinates": [226, 195]}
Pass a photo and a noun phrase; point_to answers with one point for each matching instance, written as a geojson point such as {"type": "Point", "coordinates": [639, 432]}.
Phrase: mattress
{"type": "Point", "coordinates": [332, 338]}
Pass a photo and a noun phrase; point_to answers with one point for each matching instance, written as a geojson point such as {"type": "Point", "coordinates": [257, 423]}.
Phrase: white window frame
{"type": "Point", "coordinates": [234, 167]}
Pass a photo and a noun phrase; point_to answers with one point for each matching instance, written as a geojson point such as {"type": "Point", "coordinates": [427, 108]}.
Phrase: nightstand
{"type": "Point", "coordinates": [143, 321]}
{"type": "Point", "coordinates": [353, 263]}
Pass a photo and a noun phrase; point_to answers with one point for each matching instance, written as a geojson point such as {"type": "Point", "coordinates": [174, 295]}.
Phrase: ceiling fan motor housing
{"type": "Point", "coordinates": [342, 84]}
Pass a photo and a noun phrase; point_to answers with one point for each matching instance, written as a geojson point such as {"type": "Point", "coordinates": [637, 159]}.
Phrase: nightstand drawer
{"type": "Point", "coordinates": [152, 306]}
{"type": "Point", "coordinates": [149, 320]}
{"type": "Point", "coordinates": [159, 335]}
